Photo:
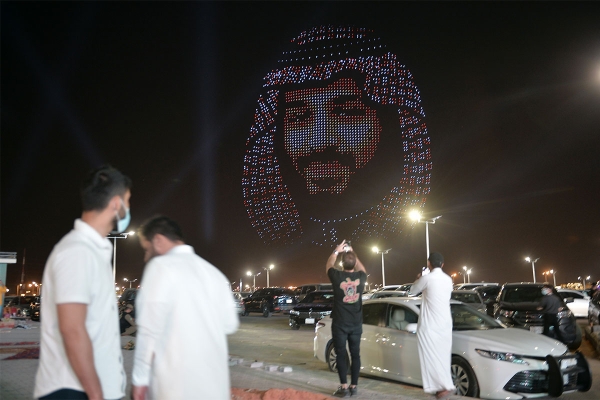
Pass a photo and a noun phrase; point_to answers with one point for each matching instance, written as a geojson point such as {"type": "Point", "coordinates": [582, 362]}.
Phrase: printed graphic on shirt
{"type": "Point", "coordinates": [350, 289]}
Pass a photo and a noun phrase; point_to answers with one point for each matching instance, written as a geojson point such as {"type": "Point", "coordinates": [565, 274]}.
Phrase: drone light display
{"type": "Point", "coordinates": [339, 148]}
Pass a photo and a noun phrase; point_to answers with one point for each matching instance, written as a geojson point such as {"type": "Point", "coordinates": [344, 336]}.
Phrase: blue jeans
{"type": "Point", "coordinates": [341, 335]}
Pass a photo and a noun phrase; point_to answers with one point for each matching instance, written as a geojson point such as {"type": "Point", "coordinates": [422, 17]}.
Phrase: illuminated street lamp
{"type": "Point", "coordinates": [464, 274]}
{"type": "Point", "coordinates": [469, 275]}
{"type": "Point", "coordinates": [453, 276]}
{"type": "Point", "coordinates": [532, 261]}
{"type": "Point", "coordinates": [130, 282]}
{"type": "Point", "coordinates": [268, 269]}
{"type": "Point", "coordinates": [382, 252]}
{"type": "Point", "coordinates": [416, 216]}
{"type": "Point", "coordinates": [114, 238]}
{"type": "Point", "coordinates": [254, 276]}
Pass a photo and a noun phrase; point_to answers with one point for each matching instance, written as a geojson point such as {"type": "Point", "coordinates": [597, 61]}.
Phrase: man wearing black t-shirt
{"type": "Point", "coordinates": [348, 285]}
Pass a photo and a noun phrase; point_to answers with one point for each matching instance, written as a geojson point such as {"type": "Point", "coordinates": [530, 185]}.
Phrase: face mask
{"type": "Point", "coordinates": [546, 292]}
{"type": "Point", "coordinates": [122, 224]}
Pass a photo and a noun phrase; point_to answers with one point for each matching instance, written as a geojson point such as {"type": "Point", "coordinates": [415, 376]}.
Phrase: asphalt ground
{"type": "Point", "coordinates": [269, 341]}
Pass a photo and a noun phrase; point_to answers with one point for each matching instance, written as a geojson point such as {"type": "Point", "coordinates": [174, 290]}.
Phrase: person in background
{"type": "Point", "coordinates": [550, 305]}
{"type": "Point", "coordinates": [80, 349]}
{"type": "Point", "coordinates": [434, 331]}
{"type": "Point", "coordinates": [181, 352]}
{"type": "Point", "coordinates": [348, 286]}
{"type": "Point", "coordinates": [127, 321]}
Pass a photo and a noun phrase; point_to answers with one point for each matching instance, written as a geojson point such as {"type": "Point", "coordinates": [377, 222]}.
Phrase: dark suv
{"type": "Point", "coordinates": [270, 300]}
{"type": "Point", "coordinates": [517, 307]}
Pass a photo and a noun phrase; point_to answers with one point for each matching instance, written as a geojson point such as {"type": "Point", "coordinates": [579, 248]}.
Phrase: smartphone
{"type": "Point", "coordinates": [425, 271]}
{"type": "Point", "coordinates": [347, 246]}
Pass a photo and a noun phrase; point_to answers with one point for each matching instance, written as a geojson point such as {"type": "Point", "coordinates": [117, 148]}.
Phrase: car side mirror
{"type": "Point", "coordinates": [569, 300]}
{"type": "Point", "coordinates": [411, 328]}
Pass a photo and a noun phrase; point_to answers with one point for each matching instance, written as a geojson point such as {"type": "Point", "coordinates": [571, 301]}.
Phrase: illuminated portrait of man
{"type": "Point", "coordinates": [339, 148]}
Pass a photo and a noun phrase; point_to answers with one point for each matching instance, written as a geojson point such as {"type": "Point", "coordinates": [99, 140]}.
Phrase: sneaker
{"type": "Point", "coordinates": [353, 390]}
{"type": "Point", "coordinates": [341, 392]}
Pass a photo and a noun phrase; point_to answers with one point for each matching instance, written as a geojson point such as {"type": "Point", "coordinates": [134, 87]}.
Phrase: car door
{"type": "Point", "coordinates": [400, 352]}
{"type": "Point", "coordinates": [371, 357]}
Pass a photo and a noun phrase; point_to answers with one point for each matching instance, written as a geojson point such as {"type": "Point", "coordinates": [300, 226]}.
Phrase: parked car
{"type": "Point", "coordinates": [594, 309]}
{"type": "Point", "coordinates": [517, 307]}
{"type": "Point", "coordinates": [303, 290]}
{"type": "Point", "coordinates": [20, 305]}
{"type": "Point", "coordinates": [488, 360]}
{"type": "Point", "coordinates": [489, 294]}
{"type": "Point", "coordinates": [580, 304]}
{"type": "Point", "coordinates": [311, 309]}
{"type": "Point", "coordinates": [470, 298]}
{"type": "Point", "coordinates": [270, 300]}
{"type": "Point", "coordinates": [470, 286]}
{"type": "Point", "coordinates": [127, 297]}
{"type": "Point", "coordinates": [238, 300]}
{"type": "Point", "coordinates": [35, 310]}
{"type": "Point", "coordinates": [380, 294]}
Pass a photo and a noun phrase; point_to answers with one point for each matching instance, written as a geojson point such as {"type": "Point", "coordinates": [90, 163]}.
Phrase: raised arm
{"type": "Point", "coordinates": [333, 256]}
{"type": "Point", "coordinates": [359, 266]}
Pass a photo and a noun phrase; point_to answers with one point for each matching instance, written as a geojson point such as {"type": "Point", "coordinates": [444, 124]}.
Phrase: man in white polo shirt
{"type": "Point", "coordinates": [80, 351]}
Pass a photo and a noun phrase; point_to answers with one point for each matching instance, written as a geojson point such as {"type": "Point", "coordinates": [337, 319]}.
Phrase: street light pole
{"type": "Point", "coordinates": [553, 276]}
{"type": "Point", "coordinates": [114, 238]}
{"type": "Point", "coordinates": [268, 269]}
{"type": "Point", "coordinates": [416, 216]}
{"type": "Point", "coordinates": [382, 252]}
{"type": "Point", "coordinates": [254, 276]}
{"type": "Point", "coordinates": [465, 274]}
{"type": "Point", "coordinates": [532, 265]}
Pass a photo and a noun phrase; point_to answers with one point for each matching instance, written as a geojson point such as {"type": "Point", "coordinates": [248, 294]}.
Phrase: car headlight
{"type": "Point", "coordinates": [294, 312]}
{"type": "Point", "coordinates": [500, 356]}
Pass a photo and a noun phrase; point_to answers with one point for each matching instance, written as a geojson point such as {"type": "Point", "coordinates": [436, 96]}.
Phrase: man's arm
{"type": "Point", "coordinates": [333, 256]}
{"type": "Point", "coordinates": [78, 346]}
{"type": "Point", "coordinates": [359, 266]}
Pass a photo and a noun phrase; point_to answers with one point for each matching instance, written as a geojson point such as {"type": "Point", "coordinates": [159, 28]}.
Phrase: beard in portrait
{"type": "Point", "coordinates": [339, 148]}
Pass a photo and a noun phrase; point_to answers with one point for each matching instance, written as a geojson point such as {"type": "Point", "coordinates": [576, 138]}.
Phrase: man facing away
{"type": "Point", "coordinates": [434, 331]}
{"type": "Point", "coordinates": [348, 285]}
{"type": "Point", "coordinates": [181, 350]}
{"type": "Point", "coordinates": [80, 350]}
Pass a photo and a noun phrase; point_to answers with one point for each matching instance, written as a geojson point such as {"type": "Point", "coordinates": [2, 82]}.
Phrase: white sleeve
{"type": "Point", "coordinates": [230, 318]}
{"type": "Point", "coordinates": [418, 286]}
{"type": "Point", "coordinates": [152, 308]}
{"type": "Point", "coordinates": [72, 275]}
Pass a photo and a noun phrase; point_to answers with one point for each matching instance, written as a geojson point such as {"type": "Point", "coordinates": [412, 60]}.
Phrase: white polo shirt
{"type": "Point", "coordinates": [79, 270]}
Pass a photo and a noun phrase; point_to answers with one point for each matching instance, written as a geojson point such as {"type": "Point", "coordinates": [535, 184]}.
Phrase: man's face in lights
{"type": "Point", "coordinates": [329, 133]}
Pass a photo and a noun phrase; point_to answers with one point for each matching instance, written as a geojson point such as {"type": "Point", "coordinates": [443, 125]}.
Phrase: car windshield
{"type": "Point", "coordinates": [465, 297]}
{"type": "Point", "coordinates": [465, 318]}
{"type": "Point", "coordinates": [523, 295]}
{"type": "Point", "coordinates": [315, 297]}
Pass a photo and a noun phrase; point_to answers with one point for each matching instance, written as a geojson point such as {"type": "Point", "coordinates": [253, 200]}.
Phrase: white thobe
{"type": "Point", "coordinates": [185, 310]}
{"type": "Point", "coordinates": [434, 332]}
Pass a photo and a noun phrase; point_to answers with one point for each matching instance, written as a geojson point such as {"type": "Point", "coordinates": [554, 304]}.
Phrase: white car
{"type": "Point", "coordinates": [488, 360]}
{"type": "Point", "coordinates": [580, 304]}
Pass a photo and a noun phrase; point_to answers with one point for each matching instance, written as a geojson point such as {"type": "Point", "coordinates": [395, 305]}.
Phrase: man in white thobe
{"type": "Point", "coordinates": [185, 310]}
{"type": "Point", "coordinates": [434, 332]}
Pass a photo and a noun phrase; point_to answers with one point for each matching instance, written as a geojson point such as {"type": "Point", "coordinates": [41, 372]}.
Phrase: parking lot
{"type": "Point", "coordinates": [271, 341]}
{"type": "Point", "coordinates": [267, 340]}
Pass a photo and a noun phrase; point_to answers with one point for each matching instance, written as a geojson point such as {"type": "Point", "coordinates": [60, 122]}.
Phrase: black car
{"type": "Point", "coordinates": [517, 307]}
{"type": "Point", "coordinates": [270, 300]}
{"type": "Point", "coordinates": [312, 308]}
{"type": "Point", "coordinates": [489, 293]}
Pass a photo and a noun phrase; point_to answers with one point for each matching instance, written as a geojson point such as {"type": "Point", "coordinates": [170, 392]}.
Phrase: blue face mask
{"type": "Point", "coordinates": [123, 223]}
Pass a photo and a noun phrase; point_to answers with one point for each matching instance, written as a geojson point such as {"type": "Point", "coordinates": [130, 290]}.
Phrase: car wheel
{"type": "Point", "coordinates": [464, 378]}
{"type": "Point", "coordinates": [294, 324]}
{"type": "Point", "coordinates": [265, 311]}
{"type": "Point", "coordinates": [331, 356]}
{"type": "Point", "coordinates": [574, 345]}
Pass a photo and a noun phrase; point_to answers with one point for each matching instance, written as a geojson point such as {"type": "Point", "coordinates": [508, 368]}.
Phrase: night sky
{"type": "Point", "coordinates": [166, 92]}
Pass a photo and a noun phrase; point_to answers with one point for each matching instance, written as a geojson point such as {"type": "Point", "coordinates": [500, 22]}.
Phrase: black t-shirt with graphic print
{"type": "Point", "coordinates": [347, 296]}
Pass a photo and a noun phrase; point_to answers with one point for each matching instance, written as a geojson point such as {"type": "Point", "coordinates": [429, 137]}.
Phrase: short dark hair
{"type": "Point", "coordinates": [547, 286]}
{"type": "Point", "coordinates": [436, 259]}
{"type": "Point", "coordinates": [159, 224]}
{"type": "Point", "coordinates": [101, 185]}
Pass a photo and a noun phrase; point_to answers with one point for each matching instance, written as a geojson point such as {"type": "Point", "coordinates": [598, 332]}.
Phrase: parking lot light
{"type": "Point", "coordinates": [532, 261]}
